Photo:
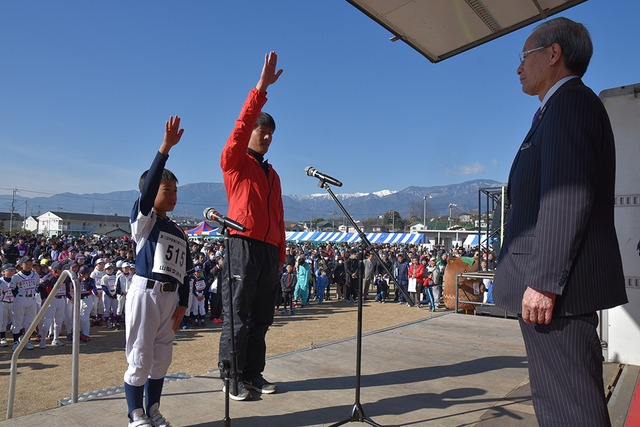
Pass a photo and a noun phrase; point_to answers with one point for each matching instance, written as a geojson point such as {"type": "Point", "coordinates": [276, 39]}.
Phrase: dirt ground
{"type": "Point", "coordinates": [44, 376]}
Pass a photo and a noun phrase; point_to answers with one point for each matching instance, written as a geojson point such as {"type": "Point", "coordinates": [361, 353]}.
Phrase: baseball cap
{"type": "Point", "coordinates": [85, 269]}
{"type": "Point", "coordinates": [125, 264]}
{"type": "Point", "coordinates": [198, 268]}
{"type": "Point", "coordinates": [99, 260]}
{"type": "Point", "coordinates": [25, 259]}
{"type": "Point", "coordinates": [108, 265]}
{"type": "Point", "coordinates": [58, 265]}
{"type": "Point", "coordinates": [79, 256]}
{"type": "Point", "coordinates": [132, 265]}
{"type": "Point", "coordinates": [8, 267]}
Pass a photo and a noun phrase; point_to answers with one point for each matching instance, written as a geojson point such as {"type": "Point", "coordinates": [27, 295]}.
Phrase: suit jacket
{"type": "Point", "coordinates": [560, 234]}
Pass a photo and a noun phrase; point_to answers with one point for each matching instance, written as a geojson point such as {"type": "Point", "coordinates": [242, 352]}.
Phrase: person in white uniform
{"type": "Point", "coordinates": [157, 298]}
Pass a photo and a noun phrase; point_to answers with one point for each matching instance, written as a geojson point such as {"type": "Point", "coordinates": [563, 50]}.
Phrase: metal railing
{"type": "Point", "coordinates": [76, 339]}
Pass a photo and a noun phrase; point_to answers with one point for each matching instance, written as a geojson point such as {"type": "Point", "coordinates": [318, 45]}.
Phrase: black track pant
{"type": "Point", "coordinates": [254, 295]}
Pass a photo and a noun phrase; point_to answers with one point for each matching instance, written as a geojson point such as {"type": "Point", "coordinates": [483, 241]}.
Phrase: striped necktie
{"type": "Point", "coordinates": [535, 116]}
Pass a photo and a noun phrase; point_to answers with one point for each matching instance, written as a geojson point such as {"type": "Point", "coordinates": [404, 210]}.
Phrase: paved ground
{"type": "Point", "coordinates": [447, 370]}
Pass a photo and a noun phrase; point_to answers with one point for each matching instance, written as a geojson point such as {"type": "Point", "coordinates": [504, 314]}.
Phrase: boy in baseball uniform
{"type": "Point", "coordinates": [6, 301]}
{"type": "Point", "coordinates": [24, 285]}
{"type": "Point", "coordinates": [157, 298]}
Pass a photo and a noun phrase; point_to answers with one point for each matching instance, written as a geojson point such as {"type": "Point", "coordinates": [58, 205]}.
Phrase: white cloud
{"type": "Point", "coordinates": [464, 170]}
{"type": "Point", "coordinates": [471, 169]}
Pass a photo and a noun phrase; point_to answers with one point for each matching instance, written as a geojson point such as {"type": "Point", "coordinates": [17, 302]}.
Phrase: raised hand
{"type": "Point", "coordinates": [172, 134]}
{"type": "Point", "coordinates": [269, 74]}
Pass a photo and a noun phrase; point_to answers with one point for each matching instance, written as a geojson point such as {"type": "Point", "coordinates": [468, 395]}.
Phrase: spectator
{"type": "Point", "coordinates": [401, 273]}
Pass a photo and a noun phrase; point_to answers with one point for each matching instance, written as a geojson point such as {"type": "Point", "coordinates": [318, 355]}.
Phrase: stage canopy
{"type": "Point", "coordinates": [203, 228]}
{"type": "Point", "coordinates": [310, 236]}
{"type": "Point", "coordinates": [440, 29]}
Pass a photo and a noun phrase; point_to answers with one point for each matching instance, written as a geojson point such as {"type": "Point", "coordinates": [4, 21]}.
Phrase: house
{"type": "Point", "coordinates": [418, 228]}
{"type": "Point", "coordinates": [380, 228]}
{"type": "Point", "coordinates": [115, 232]}
{"type": "Point", "coordinates": [292, 226]}
{"type": "Point", "coordinates": [349, 229]}
{"type": "Point", "coordinates": [5, 220]}
{"type": "Point", "coordinates": [465, 217]}
{"type": "Point", "coordinates": [324, 226]}
{"type": "Point", "coordinates": [30, 224]}
{"type": "Point", "coordinates": [56, 223]}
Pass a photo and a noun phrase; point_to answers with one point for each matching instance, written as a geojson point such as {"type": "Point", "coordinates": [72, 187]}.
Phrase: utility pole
{"type": "Point", "coordinates": [424, 218]}
{"type": "Point", "coordinates": [13, 199]}
{"type": "Point", "coordinates": [451, 206]}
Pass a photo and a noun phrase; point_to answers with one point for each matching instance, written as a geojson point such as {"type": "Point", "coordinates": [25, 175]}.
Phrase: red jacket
{"type": "Point", "coordinates": [417, 271]}
{"type": "Point", "coordinates": [255, 201]}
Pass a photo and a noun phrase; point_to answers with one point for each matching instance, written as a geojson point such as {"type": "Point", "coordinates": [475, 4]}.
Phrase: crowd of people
{"type": "Point", "coordinates": [31, 266]}
{"type": "Point", "coordinates": [313, 273]}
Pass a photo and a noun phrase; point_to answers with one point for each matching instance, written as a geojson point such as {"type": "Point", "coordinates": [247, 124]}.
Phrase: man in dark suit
{"type": "Point", "coordinates": [561, 222]}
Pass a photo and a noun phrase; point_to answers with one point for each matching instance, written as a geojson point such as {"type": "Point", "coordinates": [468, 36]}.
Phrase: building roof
{"type": "Point", "coordinates": [106, 231]}
{"type": "Point", "coordinates": [71, 216]}
{"type": "Point", "coordinates": [6, 216]}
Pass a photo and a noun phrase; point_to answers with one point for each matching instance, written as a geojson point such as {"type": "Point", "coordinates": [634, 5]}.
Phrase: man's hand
{"type": "Point", "coordinates": [172, 134]}
{"type": "Point", "coordinates": [537, 306]}
{"type": "Point", "coordinates": [177, 317]}
{"type": "Point", "coordinates": [269, 74]}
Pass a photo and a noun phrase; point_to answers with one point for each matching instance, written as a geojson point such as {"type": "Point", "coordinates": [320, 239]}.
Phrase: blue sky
{"type": "Point", "coordinates": [87, 86]}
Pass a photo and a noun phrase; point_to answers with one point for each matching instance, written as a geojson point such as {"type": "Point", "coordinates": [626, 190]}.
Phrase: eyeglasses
{"type": "Point", "coordinates": [524, 54]}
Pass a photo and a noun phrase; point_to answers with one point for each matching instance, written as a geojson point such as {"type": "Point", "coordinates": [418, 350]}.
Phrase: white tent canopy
{"type": "Point", "coordinates": [440, 29]}
{"type": "Point", "coordinates": [310, 236]}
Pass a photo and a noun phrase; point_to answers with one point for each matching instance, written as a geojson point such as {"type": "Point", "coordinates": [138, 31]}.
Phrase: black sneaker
{"type": "Point", "coordinates": [243, 393]}
{"type": "Point", "coordinates": [260, 385]}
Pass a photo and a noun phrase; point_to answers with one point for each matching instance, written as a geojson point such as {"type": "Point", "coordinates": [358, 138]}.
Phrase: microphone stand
{"type": "Point", "coordinates": [357, 412]}
{"type": "Point", "coordinates": [229, 368]}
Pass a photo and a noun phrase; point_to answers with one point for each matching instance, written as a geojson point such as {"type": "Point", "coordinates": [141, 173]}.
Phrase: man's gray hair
{"type": "Point", "coordinates": [574, 39]}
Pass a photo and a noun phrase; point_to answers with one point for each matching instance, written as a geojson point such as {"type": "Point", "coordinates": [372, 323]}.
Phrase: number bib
{"type": "Point", "coordinates": [170, 256]}
{"type": "Point", "coordinates": [111, 284]}
{"type": "Point", "coordinates": [62, 290]}
{"type": "Point", "coordinates": [200, 285]}
{"type": "Point", "coordinates": [28, 285]}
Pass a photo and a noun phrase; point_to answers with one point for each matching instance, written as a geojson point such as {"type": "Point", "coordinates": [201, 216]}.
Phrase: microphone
{"type": "Point", "coordinates": [213, 215]}
{"type": "Point", "coordinates": [326, 178]}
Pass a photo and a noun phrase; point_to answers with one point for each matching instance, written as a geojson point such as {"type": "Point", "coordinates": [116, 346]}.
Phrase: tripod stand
{"type": "Point", "coordinates": [229, 368]}
{"type": "Point", "coordinates": [357, 412]}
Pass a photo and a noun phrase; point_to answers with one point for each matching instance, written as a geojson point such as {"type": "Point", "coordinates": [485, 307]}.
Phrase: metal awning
{"type": "Point", "coordinates": [440, 29]}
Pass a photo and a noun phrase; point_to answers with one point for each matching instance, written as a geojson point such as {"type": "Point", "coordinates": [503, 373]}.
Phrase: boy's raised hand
{"type": "Point", "coordinates": [269, 74]}
{"type": "Point", "coordinates": [172, 134]}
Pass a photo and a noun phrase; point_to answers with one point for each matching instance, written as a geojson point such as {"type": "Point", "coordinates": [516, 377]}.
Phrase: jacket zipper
{"type": "Point", "coordinates": [269, 179]}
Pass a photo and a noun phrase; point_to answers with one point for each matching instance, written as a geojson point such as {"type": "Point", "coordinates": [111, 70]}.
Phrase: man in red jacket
{"type": "Point", "coordinates": [256, 255]}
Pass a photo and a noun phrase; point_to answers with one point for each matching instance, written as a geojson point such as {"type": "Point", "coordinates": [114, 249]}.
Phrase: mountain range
{"type": "Point", "coordinates": [194, 198]}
